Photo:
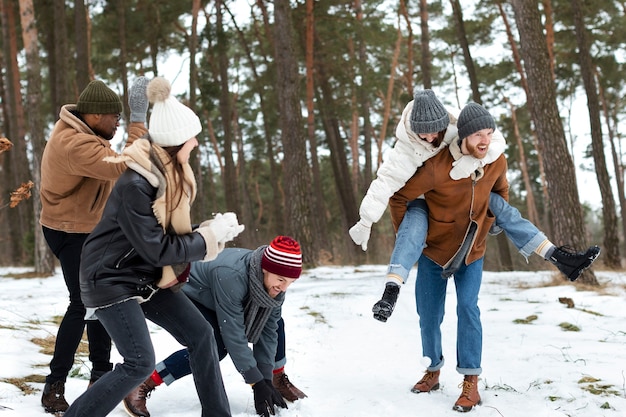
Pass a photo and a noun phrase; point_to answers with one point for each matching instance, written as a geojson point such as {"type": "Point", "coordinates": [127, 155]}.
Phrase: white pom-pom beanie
{"type": "Point", "coordinates": [171, 122]}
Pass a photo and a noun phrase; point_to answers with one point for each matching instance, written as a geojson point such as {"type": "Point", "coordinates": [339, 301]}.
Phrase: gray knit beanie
{"type": "Point", "coordinates": [97, 98]}
{"type": "Point", "coordinates": [428, 114]}
{"type": "Point", "coordinates": [473, 118]}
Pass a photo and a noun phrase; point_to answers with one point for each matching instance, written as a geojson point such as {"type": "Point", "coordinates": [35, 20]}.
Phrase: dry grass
{"type": "Point", "coordinates": [47, 345]}
{"type": "Point", "coordinates": [22, 383]}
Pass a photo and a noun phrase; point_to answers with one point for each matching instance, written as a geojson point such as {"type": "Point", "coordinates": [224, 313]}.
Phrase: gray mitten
{"type": "Point", "coordinates": [138, 100]}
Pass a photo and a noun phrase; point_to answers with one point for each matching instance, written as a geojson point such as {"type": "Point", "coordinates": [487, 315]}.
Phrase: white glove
{"type": "Point", "coordinates": [225, 227]}
{"type": "Point", "coordinates": [360, 233]}
{"type": "Point", "coordinates": [463, 167]}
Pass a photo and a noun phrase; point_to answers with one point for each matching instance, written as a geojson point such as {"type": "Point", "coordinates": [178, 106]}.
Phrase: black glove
{"type": "Point", "coordinates": [265, 397]}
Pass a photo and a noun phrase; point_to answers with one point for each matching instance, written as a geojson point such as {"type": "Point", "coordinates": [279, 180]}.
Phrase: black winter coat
{"type": "Point", "coordinates": [123, 256]}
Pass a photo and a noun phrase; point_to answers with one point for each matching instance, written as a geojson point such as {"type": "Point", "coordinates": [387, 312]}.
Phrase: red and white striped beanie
{"type": "Point", "coordinates": [283, 257]}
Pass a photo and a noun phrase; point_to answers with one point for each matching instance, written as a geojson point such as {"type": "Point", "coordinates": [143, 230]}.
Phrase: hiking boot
{"type": "Point", "coordinates": [469, 396]}
{"type": "Point", "coordinates": [53, 398]}
{"type": "Point", "coordinates": [429, 382]}
{"type": "Point", "coordinates": [135, 402]}
{"type": "Point", "coordinates": [572, 263]}
{"type": "Point", "coordinates": [289, 391]}
{"type": "Point", "coordinates": [384, 307]}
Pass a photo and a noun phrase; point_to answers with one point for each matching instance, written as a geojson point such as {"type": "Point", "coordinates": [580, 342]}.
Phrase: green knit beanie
{"type": "Point", "coordinates": [97, 98]}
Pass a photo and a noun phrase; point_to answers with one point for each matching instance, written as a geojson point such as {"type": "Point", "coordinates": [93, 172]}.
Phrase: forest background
{"type": "Point", "coordinates": [299, 101]}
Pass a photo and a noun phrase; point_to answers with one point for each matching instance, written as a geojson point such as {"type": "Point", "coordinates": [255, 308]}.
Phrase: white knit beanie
{"type": "Point", "coordinates": [171, 122]}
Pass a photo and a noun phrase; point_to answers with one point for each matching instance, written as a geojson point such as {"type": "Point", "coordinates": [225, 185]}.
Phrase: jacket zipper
{"type": "Point", "coordinates": [123, 258]}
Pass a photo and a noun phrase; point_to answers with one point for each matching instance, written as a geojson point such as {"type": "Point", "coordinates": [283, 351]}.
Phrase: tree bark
{"type": "Point", "coordinates": [231, 186]}
{"type": "Point", "coordinates": [44, 259]}
{"type": "Point", "coordinates": [609, 212]}
{"type": "Point", "coordinates": [297, 172]}
{"type": "Point", "coordinates": [565, 210]}
{"type": "Point", "coordinates": [16, 162]}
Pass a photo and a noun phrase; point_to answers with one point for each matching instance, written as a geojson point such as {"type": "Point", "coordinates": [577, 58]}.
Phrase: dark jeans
{"type": "Point", "coordinates": [127, 326]}
{"type": "Point", "coordinates": [67, 247]}
{"type": "Point", "coordinates": [176, 365]}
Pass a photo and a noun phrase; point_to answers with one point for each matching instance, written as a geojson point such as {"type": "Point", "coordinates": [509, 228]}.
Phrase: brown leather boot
{"type": "Point", "coordinates": [135, 402]}
{"type": "Point", "coordinates": [429, 382]}
{"type": "Point", "coordinates": [53, 397]}
{"type": "Point", "coordinates": [286, 388]}
{"type": "Point", "coordinates": [469, 397]}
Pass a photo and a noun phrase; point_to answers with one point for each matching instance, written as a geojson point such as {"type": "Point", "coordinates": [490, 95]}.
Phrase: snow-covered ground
{"type": "Point", "coordinates": [351, 365]}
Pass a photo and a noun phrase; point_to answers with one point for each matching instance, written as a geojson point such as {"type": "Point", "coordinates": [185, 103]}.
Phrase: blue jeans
{"type": "Point", "coordinates": [126, 324]}
{"type": "Point", "coordinates": [430, 299]}
{"type": "Point", "coordinates": [410, 239]}
{"type": "Point", "coordinates": [411, 236]}
{"type": "Point", "coordinates": [520, 231]}
{"type": "Point", "coordinates": [176, 365]}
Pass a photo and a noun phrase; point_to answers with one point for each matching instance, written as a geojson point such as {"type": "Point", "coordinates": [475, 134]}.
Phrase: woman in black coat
{"type": "Point", "coordinates": [138, 256]}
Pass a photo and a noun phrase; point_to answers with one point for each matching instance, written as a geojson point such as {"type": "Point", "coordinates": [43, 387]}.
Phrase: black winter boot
{"type": "Point", "coordinates": [572, 263]}
{"type": "Point", "coordinates": [53, 398]}
{"type": "Point", "coordinates": [384, 307]}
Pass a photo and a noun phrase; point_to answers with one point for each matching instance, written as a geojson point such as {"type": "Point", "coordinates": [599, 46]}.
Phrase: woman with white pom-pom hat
{"type": "Point", "coordinates": [138, 256]}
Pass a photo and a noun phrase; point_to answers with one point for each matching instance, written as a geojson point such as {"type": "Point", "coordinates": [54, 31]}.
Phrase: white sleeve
{"type": "Point", "coordinates": [400, 165]}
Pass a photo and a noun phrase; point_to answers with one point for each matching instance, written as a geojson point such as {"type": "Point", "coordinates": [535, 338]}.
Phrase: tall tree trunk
{"type": "Point", "coordinates": [81, 42]}
{"type": "Point", "coordinates": [457, 13]}
{"type": "Point", "coordinates": [409, 73]}
{"type": "Point", "coordinates": [530, 200]}
{"type": "Point", "coordinates": [617, 163]}
{"type": "Point", "coordinates": [567, 219]}
{"type": "Point", "coordinates": [199, 210]}
{"type": "Point", "coordinates": [231, 187]}
{"type": "Point", "coordinates": [609, 213]}
{"type": "Point", "coordinates": [338, 155]}
{"type": "Point", "coordinates": [277, 219]}
{"type": "Point", "coordinates": [426, 62]}
{"type": "Point", "coordinates": [60, 51]}
{"type": "Point", "coordinates": [123, 59]}
{"type": "Point", "coordinates": [321, 231]}
{"type": "Point", "coordinates": [533, 216]}
{"type": "Point", "coordinates": [549, 29]}
{"type": "Point", "coordinates": [20, 217]}
{"type": "Point", "coordinates": [297, 173]}
{"type": "Point", "coordinates": [44, 259]}
{"type": "Point", "coordinates": [388, 96]}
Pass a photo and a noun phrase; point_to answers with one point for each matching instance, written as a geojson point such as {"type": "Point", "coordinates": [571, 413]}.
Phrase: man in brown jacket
{"type": "Point", "coordinates": [459, 221]}
{"type": "Point", "coordinates": [75, 185]}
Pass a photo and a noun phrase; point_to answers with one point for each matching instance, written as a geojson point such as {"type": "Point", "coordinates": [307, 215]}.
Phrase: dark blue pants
{"type": "Point", "coordinates": [176, 365]}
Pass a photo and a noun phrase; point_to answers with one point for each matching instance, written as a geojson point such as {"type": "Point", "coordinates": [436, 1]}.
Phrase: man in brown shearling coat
{"type": "Point", "coordinates": [459, 221]}
{"type": "Point", "coordinates": [75, 185]}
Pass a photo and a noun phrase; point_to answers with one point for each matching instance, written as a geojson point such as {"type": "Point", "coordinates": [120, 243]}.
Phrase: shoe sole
{"type": "Point", "coordinates": [417, 391]}
{"type": "Point", "coordinates": [54, 411]}
{"type": "Point", "coordinates": [382, 313]}
{"type": "Point", "coordinates": [586, 265]}
{"type": "Point", "coordinates": [462, 409]}
{"type": "Point", "coordinates": [130, 412]}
